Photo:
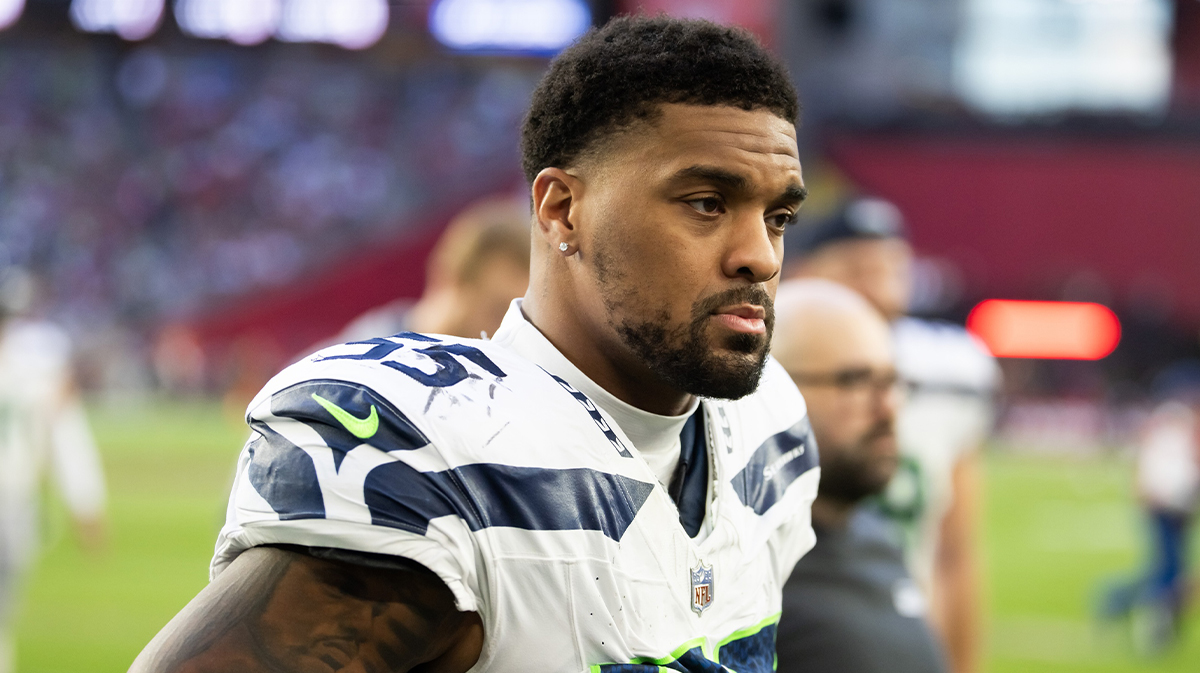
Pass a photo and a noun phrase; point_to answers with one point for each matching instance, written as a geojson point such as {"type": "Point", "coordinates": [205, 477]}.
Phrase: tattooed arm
{"type": "Point", "coordinates": [280, 611]}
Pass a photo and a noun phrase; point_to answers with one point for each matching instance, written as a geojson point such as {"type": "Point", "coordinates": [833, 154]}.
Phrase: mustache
{"type": "Point", "coordinates": [750, 294]}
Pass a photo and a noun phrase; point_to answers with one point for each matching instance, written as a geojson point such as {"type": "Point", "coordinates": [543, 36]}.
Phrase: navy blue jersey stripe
{"type": "Point", "coordinates": [284, 475]}
{"type": "Point", "coordinates": [775, 465]}
{"type": "Point", "coordinates": [754, 653]}
{"type": "Point", "coordinates": [689, 485]}
{"type": "Point", "coordinates": [489, 495]}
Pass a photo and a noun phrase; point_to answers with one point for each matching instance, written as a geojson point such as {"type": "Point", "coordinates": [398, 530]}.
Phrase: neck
{"type": "Point", "coordinates": [607, 363]}
{"type": "Point", "coordinates": [831, 514]}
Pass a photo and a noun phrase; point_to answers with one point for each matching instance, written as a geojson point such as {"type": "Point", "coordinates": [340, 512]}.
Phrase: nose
{"type": "Point", "coordinates": [752, 252]}
{"type": "Point", "coordinates": [888, 401]}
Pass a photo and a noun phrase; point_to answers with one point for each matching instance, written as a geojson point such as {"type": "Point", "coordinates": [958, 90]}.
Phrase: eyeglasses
{"type": "Point", "coordinates": [855, 380]}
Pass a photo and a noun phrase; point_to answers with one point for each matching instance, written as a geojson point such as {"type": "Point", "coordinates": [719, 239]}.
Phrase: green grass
{"type": "Point", "coordinates": [169, 469]}
{"type": "Point", "coordinates": [1055, 529]}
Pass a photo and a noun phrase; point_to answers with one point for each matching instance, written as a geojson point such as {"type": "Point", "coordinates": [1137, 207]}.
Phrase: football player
{"type": "Point", "coordinates": [850, 604]}
{"type": "Point", "coordinates": [620, 480]}
{"type": "Point", "coordinates": [43, 428]}
{"type": "Point", "coordinates": [947, 413]}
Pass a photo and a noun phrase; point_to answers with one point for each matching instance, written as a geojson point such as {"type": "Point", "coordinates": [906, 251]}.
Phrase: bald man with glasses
{"type": "Point", "coordinates": [850, 604]}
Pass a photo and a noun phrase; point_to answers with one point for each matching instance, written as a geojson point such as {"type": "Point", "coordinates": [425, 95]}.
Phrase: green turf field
{"type": "Point", "coordinates": [1055, 527]}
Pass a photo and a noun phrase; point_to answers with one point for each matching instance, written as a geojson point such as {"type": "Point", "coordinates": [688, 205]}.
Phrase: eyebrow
{"type": "Point", "coordinates": [794, 194]}
{"type": "Point", "coordinates": [718, 176]}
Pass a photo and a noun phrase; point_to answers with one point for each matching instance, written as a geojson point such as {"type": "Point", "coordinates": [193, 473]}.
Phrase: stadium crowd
{"type": "Point", "coordinates": [143, 184]}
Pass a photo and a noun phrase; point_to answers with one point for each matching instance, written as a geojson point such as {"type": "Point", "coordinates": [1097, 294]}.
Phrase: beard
{"type": "Point", "coordinates": [686, 357]}
{"type": "Point", "coordinates": [851, 473]}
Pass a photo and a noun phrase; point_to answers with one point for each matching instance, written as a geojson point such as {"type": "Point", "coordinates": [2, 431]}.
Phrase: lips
{"type": "Point", "coordinates": [745, 318]}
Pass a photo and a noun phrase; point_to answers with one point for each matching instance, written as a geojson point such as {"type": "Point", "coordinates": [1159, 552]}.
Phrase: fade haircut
{"type": "Point", "coordinates": [620, 74]}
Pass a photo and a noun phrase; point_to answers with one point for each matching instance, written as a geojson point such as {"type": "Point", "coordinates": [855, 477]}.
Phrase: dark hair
{"type": "Point", "coordinates": [620, 73]}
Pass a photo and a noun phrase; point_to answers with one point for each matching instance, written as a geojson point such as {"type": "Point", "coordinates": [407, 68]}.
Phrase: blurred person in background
{"type": "Point", "coordinates": [479, 265]}
{"type": "Point", "coordinates": [850, 604]}
{"type": "Point", "coordinates": [1167, 481]}
{"type": "Point", "coordinates": [948, 413]}
{"type": "Point", "coordinates": [42, 427]}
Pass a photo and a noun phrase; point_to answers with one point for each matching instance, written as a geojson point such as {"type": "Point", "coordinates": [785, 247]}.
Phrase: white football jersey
{"type": "Point", "coordinates": [949, 410]}
{"type": "Point", "coordinates": [42, 428]}
{"type": "Point", "coordinates": [530, 503]}
{"type": "Point", "coordinates": [1167, 475]}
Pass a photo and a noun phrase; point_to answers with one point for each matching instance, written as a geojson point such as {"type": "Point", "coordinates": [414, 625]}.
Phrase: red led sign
{"type": "Point", "coordinates": [1045, 329]}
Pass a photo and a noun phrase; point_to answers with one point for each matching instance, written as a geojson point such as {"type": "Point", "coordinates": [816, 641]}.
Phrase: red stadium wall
{"type": "Point", "coordinates": [1020, 216]}
{"type": "Point", "coordinates": [276, 326]}
{"type": "Point", "coordinates": [760, 17]}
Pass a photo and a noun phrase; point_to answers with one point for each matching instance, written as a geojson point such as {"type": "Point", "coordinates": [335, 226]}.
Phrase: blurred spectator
{"type": "Point", "coordinates": [178, 360]}
{"type": "Point", "coordinates": [850, 604]}
{"type": "Point", "coordinates": [1168, 485]}
{"type": "Point", "coordinates": [479, 265]}
{"type": "Point", "coordinates": [149, 184]}
{"type": "Point", "coordinates": [42, 427]}
{"type": "Point", "coordinates": [952, 381]}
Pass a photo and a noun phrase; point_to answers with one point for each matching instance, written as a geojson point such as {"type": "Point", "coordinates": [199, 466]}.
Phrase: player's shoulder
{"type": "Point", "coordinates": [47, 333]}
{"type": "Point", "coordinates": [38, 339]}
{"type": "Point", "coordinates": [409, 390]}
{"type": "Point", "coordinates": [936, 350]}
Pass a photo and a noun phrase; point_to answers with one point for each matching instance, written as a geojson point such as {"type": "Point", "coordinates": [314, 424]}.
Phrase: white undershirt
{"type": "Point", "coordinates": [655, 437]}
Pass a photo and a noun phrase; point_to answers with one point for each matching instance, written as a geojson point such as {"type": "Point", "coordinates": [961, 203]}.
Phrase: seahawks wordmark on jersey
{"type": "Point", "coordinates": [530, 503]}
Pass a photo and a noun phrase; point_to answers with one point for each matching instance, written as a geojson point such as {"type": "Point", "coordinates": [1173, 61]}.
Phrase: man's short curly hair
{"type": "Point", "coordinates": [620, 73]}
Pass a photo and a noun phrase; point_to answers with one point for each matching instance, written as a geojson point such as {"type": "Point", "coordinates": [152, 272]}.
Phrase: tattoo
{"type": "Point", "coordinates": [299, 610]}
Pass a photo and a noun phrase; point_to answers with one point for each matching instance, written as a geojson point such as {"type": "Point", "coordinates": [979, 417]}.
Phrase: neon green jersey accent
{"type": "Point", "coordinates": [363, 428]}
{"type": "Point", "coordinates": [662, 661]}
{"type": "Point", "coordinates": [702, 643]}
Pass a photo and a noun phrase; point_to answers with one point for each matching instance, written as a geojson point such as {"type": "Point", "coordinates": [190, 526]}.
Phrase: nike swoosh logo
{"type": "Point", "coordinates": [363, 428]}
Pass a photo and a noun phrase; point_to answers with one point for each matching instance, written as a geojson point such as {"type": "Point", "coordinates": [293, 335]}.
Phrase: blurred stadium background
{"type": "Point", "coordinates": [206, 188]}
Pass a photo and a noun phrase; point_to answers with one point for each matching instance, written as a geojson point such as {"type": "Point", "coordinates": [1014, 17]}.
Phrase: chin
{"type": "Point", "coordinates": [699, 362]}
{"type": "Point", "coordinates": [728, 375]}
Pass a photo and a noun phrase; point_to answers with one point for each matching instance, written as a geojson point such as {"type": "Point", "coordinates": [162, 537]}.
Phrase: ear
{"type": "Point", "coordinates": [554, 192]}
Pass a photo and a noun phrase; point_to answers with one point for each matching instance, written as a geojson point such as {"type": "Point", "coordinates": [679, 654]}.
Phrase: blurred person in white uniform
{"type": "Point", "coordinates": [42, 429]}
{"type": "Point", "coordinates": [478, 266]}
{"type": "Point", "coordinates": [1167, 482]}
{"type": "Point", "coordinates": [948, 413]}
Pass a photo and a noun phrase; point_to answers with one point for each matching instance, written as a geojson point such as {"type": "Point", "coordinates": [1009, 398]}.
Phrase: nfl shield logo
{"type": "Point", "coordinates": [702, 587]}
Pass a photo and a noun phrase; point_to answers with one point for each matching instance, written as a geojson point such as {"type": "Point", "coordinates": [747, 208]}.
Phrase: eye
{"type": "Point", "coordinates": [782, 220]}
{"type": "Point", "coordinates": [852, 378]}
{"type": "Point", "coordinates": [709, 205]}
